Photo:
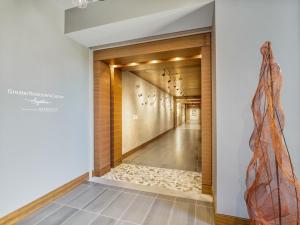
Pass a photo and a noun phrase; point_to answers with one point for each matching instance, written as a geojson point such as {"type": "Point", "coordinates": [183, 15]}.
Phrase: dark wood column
{"type": "Point", "coordinates": [116, 117]}
{"type": "Point", "coordinates": [102, 138]}
{"type": "Point", "coordinates": [206, 119]}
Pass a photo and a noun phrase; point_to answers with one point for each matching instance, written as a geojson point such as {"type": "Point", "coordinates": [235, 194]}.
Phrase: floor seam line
{"type": "Point", "coordinates": [148, 211]}
{"type": "Point", "coordinates": [48, 215]}
{"type": "Point", "coordinates": [171, 211]}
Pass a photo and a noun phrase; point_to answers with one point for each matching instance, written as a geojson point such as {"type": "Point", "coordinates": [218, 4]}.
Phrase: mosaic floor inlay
{"type": "Point", "coordinates": [178, 180]}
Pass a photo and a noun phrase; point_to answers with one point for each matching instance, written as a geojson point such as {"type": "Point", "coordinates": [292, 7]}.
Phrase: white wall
{"type": "Point", "coordinates": [141, 122]}
{"type": "Point", "coordinates": [241, 27]}
{"type": "Point", "coordinates": [178, 114]}
{"type": "Point", "coordinates": [40, 151]}
{"type": "Point", "coordinates": [194, 114]}
{"type": "Point", "coordinates": [182, 113]}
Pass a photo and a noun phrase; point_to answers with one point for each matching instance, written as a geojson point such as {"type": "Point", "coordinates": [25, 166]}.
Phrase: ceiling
{"type": "Point", "coordinates": [116, 21]}
{"type": "Point", "coordinates": [64, 4]}
{"type": "Point", "coordinates": [176, 72]}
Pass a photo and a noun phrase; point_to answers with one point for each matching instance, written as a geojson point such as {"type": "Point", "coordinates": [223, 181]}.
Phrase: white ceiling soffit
{"type": "Point", "coordinates": [64, 4]}
{"type": "Point", "coordinates": [193, 16]}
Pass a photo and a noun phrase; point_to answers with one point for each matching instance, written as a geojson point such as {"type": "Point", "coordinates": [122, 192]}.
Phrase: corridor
{"type": "Point", "coordinates": [177, 149]}
{"type": "Point", "coordinates": [170, 163]}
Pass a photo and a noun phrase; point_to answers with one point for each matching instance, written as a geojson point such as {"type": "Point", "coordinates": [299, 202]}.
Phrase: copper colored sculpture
{"type": "Point", "coordinates": [273, 191]}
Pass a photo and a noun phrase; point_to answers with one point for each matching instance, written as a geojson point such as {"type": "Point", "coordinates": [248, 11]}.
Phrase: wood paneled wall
{"type": "Point", "coordinates": [102, 127]}
{"type": "Point", "coordinates": [191, 41]}
{"type": "Point", "coordinates": [206, 119]}
{"type": "Point", "coordinates": [116, 119]}
{"type": "Point", "coordinates": [102, 120]}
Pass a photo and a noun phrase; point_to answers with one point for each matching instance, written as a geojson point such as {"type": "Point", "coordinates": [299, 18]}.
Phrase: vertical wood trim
{"type": "Point", "coordinates": [185, 108]}
{"type": "Point", "coordinates": [116, 117]}
{"type": "Point", "coordinates": [175, 113]}
{"type": "Point", "coordinates": [101, 118]}
{"type": "Point", "coordinates": [206, 118]}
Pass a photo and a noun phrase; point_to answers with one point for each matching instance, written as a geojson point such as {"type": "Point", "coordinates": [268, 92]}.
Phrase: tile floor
{"type": "Point", "coordinates": [177, 149]}
{"type": "Point", "coordinates": [98, 204]}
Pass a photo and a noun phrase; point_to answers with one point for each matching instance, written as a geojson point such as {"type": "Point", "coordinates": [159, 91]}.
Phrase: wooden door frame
{"type": "Point", "coordinates": [203, 41]}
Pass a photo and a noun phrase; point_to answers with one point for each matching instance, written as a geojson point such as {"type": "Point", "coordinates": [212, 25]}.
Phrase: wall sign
{"type": "Point", "coordinates": [37, 102]}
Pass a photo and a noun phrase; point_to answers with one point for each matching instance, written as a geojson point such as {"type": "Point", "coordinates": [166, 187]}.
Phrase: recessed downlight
{"type": "Point", "coordinates": [133, 64]}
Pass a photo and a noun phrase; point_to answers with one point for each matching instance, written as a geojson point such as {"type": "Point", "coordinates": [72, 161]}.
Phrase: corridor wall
{"type": "Point", "coordinates": [241, 27]}
{"type": "Point", "coordinates": [146, 111]}
{"type": "Point", "coordinates": [193, 113]}
{"type": "Point", "coordinates": [44, 103]}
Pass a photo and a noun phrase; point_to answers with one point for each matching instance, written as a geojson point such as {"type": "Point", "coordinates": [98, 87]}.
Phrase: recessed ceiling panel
{"type": "Point", "coordinates": [176, 72]}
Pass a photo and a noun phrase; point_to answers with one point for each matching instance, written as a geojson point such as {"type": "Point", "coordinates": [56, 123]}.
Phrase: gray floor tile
{"type": "Point", "coordinates": [168, 152]}
{"type": "Point", "coordinates": [59, 216]}
{"type": "Point", "coordinates": [124, 189]}
{"type": "Point", "coordinates": [147, 193]}
{"type": "Point", "coordinates": [138, 209]}
{"type": "Point", "coordinates": [117, 207]}
{"type": "Point", "coordinates": [186, 200]}
{"type": "Point", "coordinates": [86, 197]}
{"type": "Point", "coordinates": [204, 215]}
{"type": "Point", "coordinates": [168, 197]}
{"type": "Point", "coordinates": [204, 203]}
{"type": "Point", "coordinates": [40, 214]}
{"type": "Point", "coordinates": [80, 218]}
{"type": "Point", "coordinates": [125, 223]}
{"type": "Point", "coordinates": [159, 213]}
{"type": "Point", "coordinates": [72, 194]}
{"type": "Point", "coordinates": [103, 220]}
{"type": "Point", "coordinates": [102, 201]}
{"type": "Point", "coordinates": [183, 213]}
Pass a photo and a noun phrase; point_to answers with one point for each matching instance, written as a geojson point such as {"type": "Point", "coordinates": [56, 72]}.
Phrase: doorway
{"type": "Point", "coordinates": [188, 108]}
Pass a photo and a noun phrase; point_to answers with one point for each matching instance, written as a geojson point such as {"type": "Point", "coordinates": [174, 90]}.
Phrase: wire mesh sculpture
{"type": "Point", "coordinates": [273, 191]}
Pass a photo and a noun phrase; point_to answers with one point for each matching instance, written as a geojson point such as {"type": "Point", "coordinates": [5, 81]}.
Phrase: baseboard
{"type": "Point", "coordinates": [206, 189]}
{"type": "Point", "coordinates": [101, 172]}
{"type": "Point", "coordinates": [130, 152]}
{"type": "Point", "coordinates": [116, 163]}
{"type": "Point", "coordinates": [30, 208]}
{"type": "Point", "coordinates": [221, 219]}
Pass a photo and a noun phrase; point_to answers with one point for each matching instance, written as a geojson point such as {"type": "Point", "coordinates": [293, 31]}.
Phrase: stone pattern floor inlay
{"type": "Point", "coordinates": [98, 204]}
{"type": "Point", "coordinates": [178, 180]}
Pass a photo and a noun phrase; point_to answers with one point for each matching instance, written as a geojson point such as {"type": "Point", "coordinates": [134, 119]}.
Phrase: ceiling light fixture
{"type": "Point", "coordinates": [153, 61]}
{"type": "Point", "coordinates": [83, 3]}
{"type": "Point", "coordinates": [133, 64]}
{"type": "Point", "coordinates": [177, 58]}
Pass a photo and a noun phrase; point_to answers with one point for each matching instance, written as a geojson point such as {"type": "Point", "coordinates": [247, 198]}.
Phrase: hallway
{"type": "Point", "coordinates": [170, 163]}
{"type": "Point", "coordinates": [177, 149]}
